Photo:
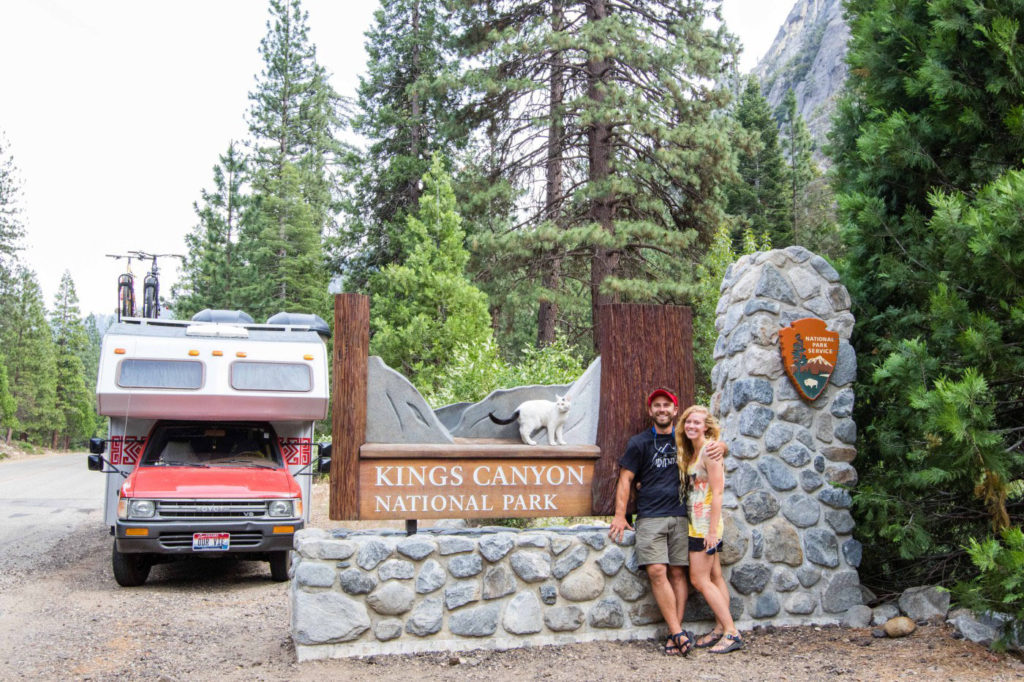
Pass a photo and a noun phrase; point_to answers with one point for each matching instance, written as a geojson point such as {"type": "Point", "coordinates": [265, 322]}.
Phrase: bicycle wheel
{"type": "Point", "coordinates": [126, 296]}
{"type": "Point", "coordinates": [150, 298]}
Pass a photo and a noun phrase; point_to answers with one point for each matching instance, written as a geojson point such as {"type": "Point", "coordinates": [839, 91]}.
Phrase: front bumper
{"type": "Point", "coordinates": [176, 537]}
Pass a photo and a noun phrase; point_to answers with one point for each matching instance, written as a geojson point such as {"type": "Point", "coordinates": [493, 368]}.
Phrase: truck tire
{"type": "Point", "coordinates": [280, 563]}
{"type": "Point", "coordinates": [130, 570]}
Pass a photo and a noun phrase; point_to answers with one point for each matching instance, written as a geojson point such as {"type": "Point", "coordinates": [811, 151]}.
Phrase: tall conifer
{"type": "Point", "coordinates": [641, 148]}
{"type": "Point", "coordinates": [293, 121]}
{"type": "Point", "coordinates": [928, 145]}
{"type": "Point", "coordinates": [425, 306]}
{"type": "Point", "coordinates": [73, 398]}
{"type": "Point", "coordinates": [405, 110]}
{"type": "Point", "coordinates": [759, 199]}
{"type": "Point", "coordinates": [31, 362]}
{"type": "Point", "coordinates": [212, 272]}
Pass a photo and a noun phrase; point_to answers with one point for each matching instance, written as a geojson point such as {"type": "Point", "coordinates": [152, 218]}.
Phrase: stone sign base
{"type": "Point", "coordinates": [366, 593]}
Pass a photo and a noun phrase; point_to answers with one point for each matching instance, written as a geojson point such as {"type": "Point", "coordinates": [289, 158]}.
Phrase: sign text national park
{"type": "Point", "coordinates": [487, 481]}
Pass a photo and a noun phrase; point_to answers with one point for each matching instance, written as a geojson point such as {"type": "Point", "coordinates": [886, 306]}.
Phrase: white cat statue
{"type": "Point", "coordinates": [534, 414]}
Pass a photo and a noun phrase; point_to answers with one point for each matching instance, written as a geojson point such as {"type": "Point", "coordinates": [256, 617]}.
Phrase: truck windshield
{"type": "Point", "coordinates": [206, 445]}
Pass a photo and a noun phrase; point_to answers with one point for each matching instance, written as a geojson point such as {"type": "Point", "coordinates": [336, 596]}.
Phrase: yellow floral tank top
{"type": "Point", "coordinates": [698, 500]}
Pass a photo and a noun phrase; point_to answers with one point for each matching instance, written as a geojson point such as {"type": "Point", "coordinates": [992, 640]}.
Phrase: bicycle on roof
{"type": "Point", "coordinates": [150, 285]}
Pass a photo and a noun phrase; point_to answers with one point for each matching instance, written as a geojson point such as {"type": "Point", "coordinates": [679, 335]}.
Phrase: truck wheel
{"type": "Point", "coordinates": [130, 570]}
{"type": "Point", "coordinates": [280, 563]}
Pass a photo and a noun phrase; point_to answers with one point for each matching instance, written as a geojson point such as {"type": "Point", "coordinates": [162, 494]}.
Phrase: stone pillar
{"type": "Point", "coordinates": [793, 556]}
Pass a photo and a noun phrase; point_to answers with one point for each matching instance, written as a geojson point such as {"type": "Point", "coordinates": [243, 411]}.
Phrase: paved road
{"type": "Point", "coordinates": [43, 499]}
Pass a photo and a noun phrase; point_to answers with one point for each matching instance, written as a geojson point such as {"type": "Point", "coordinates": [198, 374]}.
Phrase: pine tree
{"type": "Point", "coordinates": [798, 148]}
{"type": "Point", "coordinates": [212, 271]}
{"type": "Point", "coordinates": [639, 156]}
{"type": "Point", "coordinates": [759, 199]}
{"type": "Point", "coordinates": [11, 227]}
{"type": "Point", "coordinates": [928, 145]}
{"type": "Point", "coordinates": [31, 364]}
{"type": "Point", "coordinates": [405, 111]}
{"type": "Point", "coordinates": [8, 405]}
{"type": "Point", "coordinates": [11, 232]}
{"type": "Point", "coordinates": [293, 121]}
{"type": "Point", "coordinates": [73, 403]}
{"type": "Point", "coordinates": [425, 306]}
{"type": "Point", "coordinates": [91, 352]}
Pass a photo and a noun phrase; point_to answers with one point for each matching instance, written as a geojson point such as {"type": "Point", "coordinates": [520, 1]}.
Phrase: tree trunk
{"type": "Point", "coordinates": [416, 131]}
{"type": "Point", "coordinates": [604, 261]}
{"type": "Point", "coordinates": [642, 347]}
{"type": "Point", "coordinates": [547, 314]}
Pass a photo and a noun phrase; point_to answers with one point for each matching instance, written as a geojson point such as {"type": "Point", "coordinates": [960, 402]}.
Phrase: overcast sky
{"type": "Point", "coordinates": [115, 112]}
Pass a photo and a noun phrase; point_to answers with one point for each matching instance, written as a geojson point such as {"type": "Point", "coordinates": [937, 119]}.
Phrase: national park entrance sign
{"type": "Point", "coordinates": [640, 347]}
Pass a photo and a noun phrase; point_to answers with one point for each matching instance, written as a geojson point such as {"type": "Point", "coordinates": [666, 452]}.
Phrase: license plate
{"type": "Point", "coordinates": [206, 542]}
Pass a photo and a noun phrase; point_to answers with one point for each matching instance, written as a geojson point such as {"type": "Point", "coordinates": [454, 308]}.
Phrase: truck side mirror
{"type": "Point", "coordinates": [323, 465]}
{"type": "Point", "coordinates": [97, 446]}
{"type": "Point", "coordinates": [95, 463]}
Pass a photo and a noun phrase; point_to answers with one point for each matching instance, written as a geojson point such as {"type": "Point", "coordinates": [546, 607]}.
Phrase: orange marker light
{"type": "Point", "coordinates": [284, 529]}
{"type": "Point", "coordinates": [136, 531]}
{"type": "Point", "coordinates": [119, 351]}
{"type": "Point", "coordinates": [307, 356]}
{"type": "Point", "coordinates": [240, 354]}
{"type": "Point", "coordinates": [193, 353]}
{"type": "Point", "coordinates": [218, 353]}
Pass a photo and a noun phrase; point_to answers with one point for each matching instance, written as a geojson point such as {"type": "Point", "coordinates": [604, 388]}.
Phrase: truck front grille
{"type": "Point", "coordinates": [211, 509]}
{"type": "Point", "coordinates": [184, 540]}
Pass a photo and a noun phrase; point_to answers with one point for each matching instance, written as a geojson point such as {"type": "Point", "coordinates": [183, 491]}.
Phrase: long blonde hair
{"type": "Point", "coordinates": [684, 447]}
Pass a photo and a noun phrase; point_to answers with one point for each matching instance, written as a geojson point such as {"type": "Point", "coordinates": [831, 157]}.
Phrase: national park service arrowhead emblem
{"type": "Point", "coordinates": [809, 353]}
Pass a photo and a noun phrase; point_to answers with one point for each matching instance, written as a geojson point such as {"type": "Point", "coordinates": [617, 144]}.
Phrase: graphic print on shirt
{"type": "Point", "coordinates": [664, 454]}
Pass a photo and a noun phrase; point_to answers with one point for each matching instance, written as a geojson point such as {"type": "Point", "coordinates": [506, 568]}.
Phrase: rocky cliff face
{"type": "Point", "coordinates": [808, 57]}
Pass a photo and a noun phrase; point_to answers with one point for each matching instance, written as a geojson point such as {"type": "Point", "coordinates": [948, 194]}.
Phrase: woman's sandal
{"type": "Point", "coordinates": [735, 644]}
{"type": "Point", "coordinates": [708, 639]}
{"type": "Point", "coordinates": [679, 644]}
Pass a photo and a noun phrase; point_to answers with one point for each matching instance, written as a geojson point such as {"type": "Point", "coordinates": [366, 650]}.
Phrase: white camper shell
{"type": "Point", "coordinates": [159, 375]}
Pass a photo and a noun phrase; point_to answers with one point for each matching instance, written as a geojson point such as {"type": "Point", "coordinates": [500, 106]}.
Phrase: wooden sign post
{"type": "Point", "coordinates": [642, 347]}
{"type": "Point", "coordinates": [348, 401]}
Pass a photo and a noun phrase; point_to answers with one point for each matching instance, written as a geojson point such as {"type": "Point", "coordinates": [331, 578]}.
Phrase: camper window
{"type": "Point", "coordinates": [270, 376]}
{"type": "Point", "coordinates": [182, 374]}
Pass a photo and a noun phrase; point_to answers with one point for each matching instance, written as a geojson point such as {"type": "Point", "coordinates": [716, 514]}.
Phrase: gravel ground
{"type": "Point", "coordinates": [62, 616]}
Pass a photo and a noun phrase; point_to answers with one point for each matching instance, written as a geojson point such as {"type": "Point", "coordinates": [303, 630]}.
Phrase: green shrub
{"type": "Point", "coordinates": [477, 369]}
{"type": "Point", "coordinates": [999, 585]}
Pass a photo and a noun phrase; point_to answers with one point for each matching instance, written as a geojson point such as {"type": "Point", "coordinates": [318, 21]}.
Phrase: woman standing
{"type": "Point", "coordinates": [705, 480]}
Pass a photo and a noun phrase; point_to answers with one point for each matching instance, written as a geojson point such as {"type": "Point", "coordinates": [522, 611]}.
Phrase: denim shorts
{"type": "Point", "coordinates": [697, 545]}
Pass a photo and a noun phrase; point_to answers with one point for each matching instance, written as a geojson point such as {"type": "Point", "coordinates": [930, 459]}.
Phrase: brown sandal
{"type": "Point", "coordinates": [735, 644]}
{"type": "Point", "coordinates": [703, 642]}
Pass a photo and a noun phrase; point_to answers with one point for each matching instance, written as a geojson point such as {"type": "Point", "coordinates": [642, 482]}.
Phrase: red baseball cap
{"type": "Point", "coordinates": [661, 391]}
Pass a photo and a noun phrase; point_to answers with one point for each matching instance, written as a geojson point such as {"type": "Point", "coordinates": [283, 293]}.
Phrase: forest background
{"type": "Point", "coordinates": [526, 162]}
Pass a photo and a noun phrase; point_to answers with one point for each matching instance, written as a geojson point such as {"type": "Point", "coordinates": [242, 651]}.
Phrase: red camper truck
{"type": "Point", "coordinates": [211, 436]}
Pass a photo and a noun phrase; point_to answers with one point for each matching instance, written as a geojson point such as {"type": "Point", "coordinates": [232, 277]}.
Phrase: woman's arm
{"type": "Point", "coordinates": [716, 481]}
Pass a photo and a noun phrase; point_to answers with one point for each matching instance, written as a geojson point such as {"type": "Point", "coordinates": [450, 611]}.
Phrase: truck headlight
{"type": "Point", "coordinates": [141, 509]}
{"type": "Point", "coordinates": [281, 508]}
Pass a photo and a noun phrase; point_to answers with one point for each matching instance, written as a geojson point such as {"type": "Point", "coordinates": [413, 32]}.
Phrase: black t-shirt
{"type": "Point", "coordinates": [651, 457]}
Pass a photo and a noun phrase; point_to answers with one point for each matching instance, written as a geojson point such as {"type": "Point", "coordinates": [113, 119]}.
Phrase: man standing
{"type": "Point", "coordinates": [662, 544]}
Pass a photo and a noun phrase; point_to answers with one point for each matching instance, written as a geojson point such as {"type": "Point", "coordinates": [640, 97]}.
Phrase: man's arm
{"type": "Point", "coordinates": [619, 523]}
{"type": "Point", "coordinates": [716, 450]}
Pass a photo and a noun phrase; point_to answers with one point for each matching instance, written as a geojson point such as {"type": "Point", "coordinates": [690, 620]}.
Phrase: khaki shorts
{"type": "Point", "coordinates": [662, 540]}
